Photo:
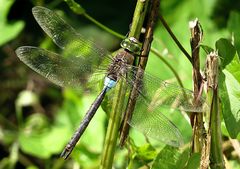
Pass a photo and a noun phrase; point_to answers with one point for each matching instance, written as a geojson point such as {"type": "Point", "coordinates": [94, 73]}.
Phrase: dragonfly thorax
{"type": "Point", "coordinates": [120, 65]}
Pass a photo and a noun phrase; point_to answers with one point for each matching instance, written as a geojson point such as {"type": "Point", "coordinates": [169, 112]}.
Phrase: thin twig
{"type": "Point", "coordinates": [174, 38]}
{"type": "Point", "coordinates": [103, 26]}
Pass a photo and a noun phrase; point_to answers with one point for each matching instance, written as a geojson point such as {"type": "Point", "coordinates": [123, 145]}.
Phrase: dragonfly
{"type": "Point", "coordinates": [82, 63]}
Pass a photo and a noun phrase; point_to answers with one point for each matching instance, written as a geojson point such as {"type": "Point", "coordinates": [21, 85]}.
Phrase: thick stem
{"type": "Point", "coordinates": [216, 155]}
{"type": "Point", "coordinates": [196, 118]}
{"type": "Point", "coordinates": [114, 121]}
{"type": "Point", "coordinates": [148, 37]}
{"type": "Point", "coordinates": [113, 127]}
{"type": "Point", "coordinates": [138, 18]}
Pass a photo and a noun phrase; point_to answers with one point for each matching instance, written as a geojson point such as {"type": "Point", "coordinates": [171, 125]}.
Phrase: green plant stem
{"type": "Point", "coordinates": [24, 160]}
{"type": "Point", "coordinates": [138, 18]}
{"type": "Point", "coordinates": [4, 121]}
{"type": "Point", "coordinates": [113, 127]}
{"type": "Point", "coordinates": [216, 157]}
{"type": "Point", "coordinates": [148, 37]}
{"type": "Point", "coordinates": [196, 118]}
{"type": "Point", "coordinates": [103, 26]}
{"type": "Point", "coordinates": [115, 117]}
{"type": "Point", "coordinates": [174, 38]}
{"type": "Point", "coordinates": [213, 116]}
{"type": "Point", "coordinates": [78, 9]}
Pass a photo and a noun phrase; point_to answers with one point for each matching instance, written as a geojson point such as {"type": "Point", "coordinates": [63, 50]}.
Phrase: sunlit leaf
{"type": "Point", "coordinates": [32, 167]}
{"type": "Point", "coordinates": [207, 49]}
{"type": "Point", "coordinates": [233, 67]}
{"type": "Point", "coordinates": [233, 27]}
{"type": "Point", "coordinates": [146, 152]}
{"type": "Point", "coordinates": [8, 30]}
{"type": "Point", "coordinates": [167, 158]}
{"type": "Point", "coordinates": [184, 158]}
{"type": "Point", "coordinates": [27, 98]}
{"type": "Point", "coordinates": [72, 113]}
{"type": "Point", "coordinates": [194, 161]}
{"type": "Point", "coordinates": [230, 96]}
{"type": "Point", "coordinates": [226, 51]}
{"type": "Point", "coordinates": [45, 144]}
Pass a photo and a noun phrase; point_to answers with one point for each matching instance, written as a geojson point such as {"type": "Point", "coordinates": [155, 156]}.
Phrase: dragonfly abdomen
{"type": "Point", "coordinates": [109, 83]}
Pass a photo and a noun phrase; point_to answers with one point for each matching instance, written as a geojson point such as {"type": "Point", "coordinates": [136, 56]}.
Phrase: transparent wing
{"type": "Point", "coordinates": [80, 57]}
{"type": "Point", "coordinates": [154, 124]}
{"type": "Point", "coordinates": [66, 37]}
{"type": "Point", "coordinates": [160, 93]}
{"type": "Point", "coordinates": [153, 96]}
{"type": "Point", "coordinates": [71, 71]}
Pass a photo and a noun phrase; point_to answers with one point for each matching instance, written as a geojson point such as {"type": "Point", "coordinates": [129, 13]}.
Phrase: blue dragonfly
{"type": "Point", "coordinates": [82, 63]}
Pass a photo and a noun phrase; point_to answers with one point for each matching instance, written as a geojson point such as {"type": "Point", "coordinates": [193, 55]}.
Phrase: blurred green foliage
{"type": "Point", "coordinates": [37, 118]}
{"type": "Point", "coordinates": [9, 30]}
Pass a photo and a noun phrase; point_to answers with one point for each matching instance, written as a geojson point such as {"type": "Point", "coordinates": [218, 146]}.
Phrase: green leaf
{"type": "Point", "coordinates": [27, 98]}
{"type": "Point", "coordinates": [72, 114]}
{"type": "Point", "coordinates": [194, 161]}
{"type": "Point", "coordinates": [230, 96]}
{"type": "Point", "coordinates": [233, 67]}
{"type": "Point", "coordinates": [167, 158]}
{"type": "Point", "coordinates": [226, 51]}
{"type": "Point", "coordinates": [233, 27]}
{"type": "Point", "coordinates": [170, 157]}
{"type": "Point", "coordinates": [234, 164]}
{"type": "Point", "coordinates": [146, 152]}
{"type": "Point", "coordinates": [140, 156]}
{"type": "Point", "coordinates": [32, 167]}
{"type": "Point", "coordinates": [231, 104]}
{"type": "Point", "coordinates": [183, 159]}
{"type": "Point", "coordinates": [45, 144]}
{"type": "Point", "coordinates": [207, 49]}
{"type": "Point", "coordinates": [8, 30]}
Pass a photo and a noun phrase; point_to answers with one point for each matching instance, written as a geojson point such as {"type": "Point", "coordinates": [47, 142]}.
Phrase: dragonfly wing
{"type": "Point", "coordinates": [54, 26]}
{"type": "Point", "coordinates": [68, 39]}
{"type": "Point", "coordinates": [146, 119]}
{"type": "Point", "coordinates": [154, 95]}
{"type": "Point", "coordinates": [160, 93]}
{"type": "Point", "coordinates": [79, 59]}
{"type": "Point", "coordinates": [152, 123]}
{"type": "Point", "coordinates": [61, 71]}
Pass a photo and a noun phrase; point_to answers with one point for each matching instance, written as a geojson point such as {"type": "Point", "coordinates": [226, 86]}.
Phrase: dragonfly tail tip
{"type": "Point", "coordinates": [65, 154]}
